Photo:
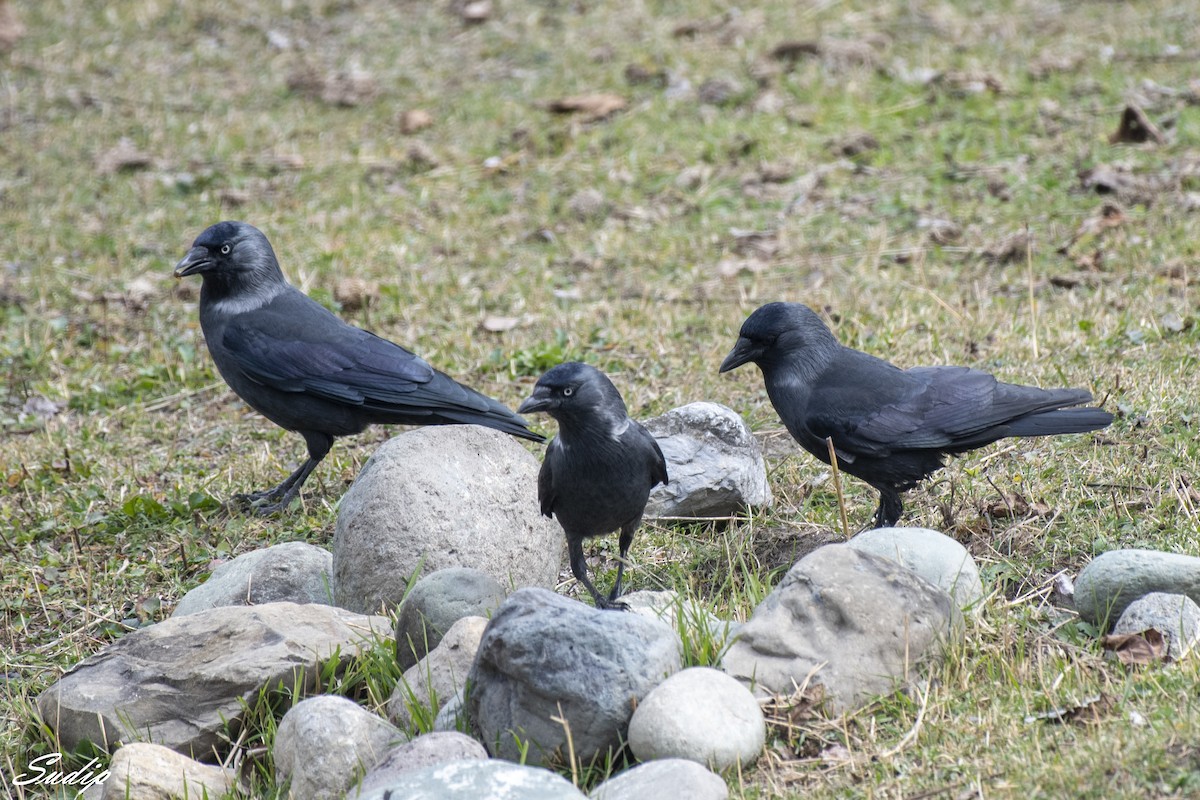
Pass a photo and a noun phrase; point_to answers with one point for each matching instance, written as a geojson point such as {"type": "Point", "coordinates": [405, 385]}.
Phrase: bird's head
{"type": "Point", "coordinates": [774, 331]}
{"type": "Point", "coordinates": [574, 392]}
{"type": "Point", "coordinates": [234, 254]}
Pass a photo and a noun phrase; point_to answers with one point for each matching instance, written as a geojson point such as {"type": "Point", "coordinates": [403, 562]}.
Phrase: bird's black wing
{"type": "Point", "coordinates": [294, 344]}
{"type": "Point", "coordinates": [547, 495]}
{"type": "Point", "coordinates": [654, 454]}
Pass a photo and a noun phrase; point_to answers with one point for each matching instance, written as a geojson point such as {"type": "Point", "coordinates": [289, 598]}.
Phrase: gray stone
{"type": "Point", "coordinates": [437, 497]}
{"type": "Point", "coordinates": [1115, 579]}
{"type": "Point", "coordinates": [453, 715]}
{"type": "Point", "coordinates": [715, 465]}
{"type": "Point", "coordinates": [856, 622]}
{"type": "Point", "coordinates": [663, 779]}
{"type": "Point", "coordinates": [324, 744]}
{"type": "Point", "coordinates": [700, 714]}
{"type": "Point", "coordinates": [544, 657]}
{"type": "Point", "coordinates": [294, 572]}
{"type": "Point", "coordinates": [436, 602]}
{"type": "Point", "coordinates": [667, 605]}
{"type": "Point", "coordinates": [473, 779]}
{"type": "Point", "coordinates": [1175, 616]}
{"type": "Point", "coordinates": [424, 751]}
{"type": "Point", "coordinates": [934, 556]}
{"type": "Point", "coordinates": [438, 676]}
{"type": "Point", "coordinates": [143, 771]}
{"type": "Point", "coordinates": [180, 682]}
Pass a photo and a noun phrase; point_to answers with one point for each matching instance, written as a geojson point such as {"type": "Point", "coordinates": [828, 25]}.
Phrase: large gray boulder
{"type": "Point", "coordinates": [324, 744]}
{"type": "Point", "coordinates": [437, 497]}
{"type": "Point", "coordinates": [1113, 580]}
{"type": "Point", "coordinates": [857, 622]}
{"type": "Point", "coordinates": [436, 602]}
{"type": "Point", "coordinates": [714, 463]}
{"type": "Point", "coordinates": [472, 779]}
{"type": "Point", "coordinates": [933, 555]}
{"type": "Point", "coordinates": [295, 572]}
{"type": "Point", "coordinates": [181, 682]}
{"type": "Point", "coordinates": [547, 662]}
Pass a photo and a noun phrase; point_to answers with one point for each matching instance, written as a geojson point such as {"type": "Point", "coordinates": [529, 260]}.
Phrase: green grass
{"type": "Point", "coordinates": [110, 509]}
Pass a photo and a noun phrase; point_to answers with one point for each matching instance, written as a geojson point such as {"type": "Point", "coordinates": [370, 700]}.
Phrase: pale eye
{"type": "Point", "coordinates": [225, 249]}
{"type": "Point", "coordinates": [567, 392]}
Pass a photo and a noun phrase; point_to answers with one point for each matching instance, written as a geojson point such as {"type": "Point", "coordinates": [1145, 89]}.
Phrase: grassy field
{"type": "Point", "coordinates": [940, 178]}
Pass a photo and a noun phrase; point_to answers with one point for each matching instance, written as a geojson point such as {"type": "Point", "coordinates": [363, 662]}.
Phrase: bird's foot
{"type": "Point", "coordinates": [267, 502]}
{"type": "Point", "coordinates": [610, 604]}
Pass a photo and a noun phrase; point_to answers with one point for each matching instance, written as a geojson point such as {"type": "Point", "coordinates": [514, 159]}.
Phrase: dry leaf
{"type": "Point", "coordinates": [591, 106]}
{"type": "Point", "coordinates": [1014, 506]}
{"type": "Point", "coordinates": [1141, 649]}
{"type": "Point", "coordinates": [1090, 710]}
{"type": "Point", "coordinates": [794, 51]}
{"type": "Point", "coordinates": [732, 267]}
{"type": "Point", "coordinates": [1136, 128]}
{"type": "Point", "coordinates": [349, 87]}
{"type": "Point", "coordinates": [760, 244]}
{"type": "Point", "coordinates": [125, 156]}
{"type": "Point", "coordinates": [1118, 180]}
{"type": "Point", "coordinates": [854, 143]}
{"type": "Point", "coordinates": [11, 29]}
{"type": "Point", "coordinates": [476, 12]}
{"type": "Point", "coordinates": [497, 324]}
{"type": "Point", "coordinates": [1009, 249]}
{"type": "Point", "coordinates": [354, 294]}
{"type": "Point", "coordinates": [413, 120]}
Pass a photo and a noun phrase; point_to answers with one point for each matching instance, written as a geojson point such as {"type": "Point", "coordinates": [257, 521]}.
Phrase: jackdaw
{"type": "Point", "coordinates": [599, 470]}
{"type": "Point", "coordinates": [891, 427]}
{"type": "Point", "coordinates": [306, 370]}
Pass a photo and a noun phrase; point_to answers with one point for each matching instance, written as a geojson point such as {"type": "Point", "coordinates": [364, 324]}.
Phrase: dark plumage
{"type": "Point", "coordinates": [599, 470]}
{"type": "Point", "coordinates": [891, 427]}
{"type": "Point", "coordinates": [306, 370]}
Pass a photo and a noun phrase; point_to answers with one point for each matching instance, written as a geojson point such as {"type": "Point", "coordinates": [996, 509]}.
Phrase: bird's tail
{"type": "Point", "coordinates": [1063, 420]}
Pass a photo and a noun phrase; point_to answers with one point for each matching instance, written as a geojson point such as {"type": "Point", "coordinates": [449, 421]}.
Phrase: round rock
{"type": "Point", "coordinates": [424, 751]}
{"type": "Point", "coordinates": [295, 572]}
{"type": "Point", "coordinates": [473, 779]}
{"type": "Point", "coordinates": [437, 497]}
{"type": "Point", "coordinates": [325, 743]}
{"type": "Point", "coordinates": [436, 602]}
{"type": "Point", "coordinates": [933, 555]}
{"type": "Point", "coordinates": [433, 680]}
{"type": "Point", "coordinates": [664, 778]}
{"type": "Point", "coordinates": [1113, 580]}
{"type": "Point", "coordinates": [1175, 616]}
{"type": "Point", "coordinates": [700, 714]}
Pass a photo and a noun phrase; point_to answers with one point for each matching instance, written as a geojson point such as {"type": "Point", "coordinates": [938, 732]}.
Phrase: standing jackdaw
{"type": "Point", "coordinates": [306, 370]}
{"type": "Point", "coordinates": [891, 427]}
{"type": "Point", "coordinates": [599, 470]}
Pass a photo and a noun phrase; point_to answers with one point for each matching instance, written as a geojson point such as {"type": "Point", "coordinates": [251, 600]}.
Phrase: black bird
{"type": "Point", "coordinates": [306, 370]}
{"type": "Point", "coordinates": [599, 470]}
{"type": "Point", "coordinates": [891, 427]}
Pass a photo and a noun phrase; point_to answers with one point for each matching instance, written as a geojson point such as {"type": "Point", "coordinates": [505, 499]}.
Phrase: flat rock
{"type": "Point", "coordinates": [179, 683]}
{"type": "Point", "coordinates": [857, 622]}
{"type": "Point", "coordinates": [700, 714]}
{"type": "Point", "coordinates": [545, 657]}
{"type": "Point", "coordinates": [715, 463]}
{"type": "Point", "coordinates": [1113, 580]}
{"type": "Point", "coordinates": [429, 683]}
{"type": "Point", "coordinates": [143, 771]}
{"type": "Point", "coordinates": [933, 555]}
{"type": "Point", "coordinates": [663, 779]}
{"type": "Point", "coordinates": [325, 744]}
{"type": "Point", "coordinates": [294, 572]}
{"type": "Point", "coordinates": [437, 497]}
{"type": "Point", "coordinates": [473, 779]}
{"type": "Point", "coordinates": [427, 750]}
{"type": "Point", "coordinates": [1175, 616]}
{"type": "Point", "coordinates": [436, 602]}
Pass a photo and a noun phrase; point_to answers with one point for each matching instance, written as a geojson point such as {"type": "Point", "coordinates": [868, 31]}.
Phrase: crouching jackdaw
{"type": "Point", "coordinates": [891, 427]}
{"type": "Point", "coordinates": [306, 370]}
{"type": "Point", "coordinates": [599, 470]}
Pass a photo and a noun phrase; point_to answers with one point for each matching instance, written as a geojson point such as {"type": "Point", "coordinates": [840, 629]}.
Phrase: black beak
{"type": "Point", "coordinates": [743, 352]}
{"type": "Point", "coordinates": [196, 261]}
{"type": "Point", "coordinates": [539, 401]}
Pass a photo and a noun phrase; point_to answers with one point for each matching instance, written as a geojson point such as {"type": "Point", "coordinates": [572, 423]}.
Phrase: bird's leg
{"type": "Point", "coordinates": [579, 570]}
{"type": "Point", "coordinates": [282, 495]}
{"type": "Point", "coordinates": [627, 531]}
{"type": "Point", "coordinates": [890, 508]}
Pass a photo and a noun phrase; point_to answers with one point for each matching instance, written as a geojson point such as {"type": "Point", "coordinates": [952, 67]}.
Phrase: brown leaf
{"type": "Point", "coordinates": [354, 294]}
{"type": "Point", "coordinates": [1136, 128]}
{"type": "Point", "coordinates": [732, 267]}
{"type": "Point", "coordinates": [1140, 649]}
{"type": "Point", "coordinates": [591, 106]}
{"type": "Point", "coordinates": [413, 120]}
{"type": "Point", "coordinates": [1007, 250]}
{"type": "Point", "coordinates": [965, 83]}
{"type": "Point", "coordinates": [123, 157]}
{"type": "Point", "coordinates": [854, 143]}
{"type": "Point", "coordinates": [760, 244]}
{"type": "Point", "coordinates": [497, 324]}
{"type": "Point", "coordinates": [349, 87]}
{"type": "Point", "coordinates": [636, 74]}
{"type": "Point", "coordinates": [1015, 506]}
{"type": "Point", "coordinates": [796, 50]}
{"type": "Point", "coordinates": [1120, 181]}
